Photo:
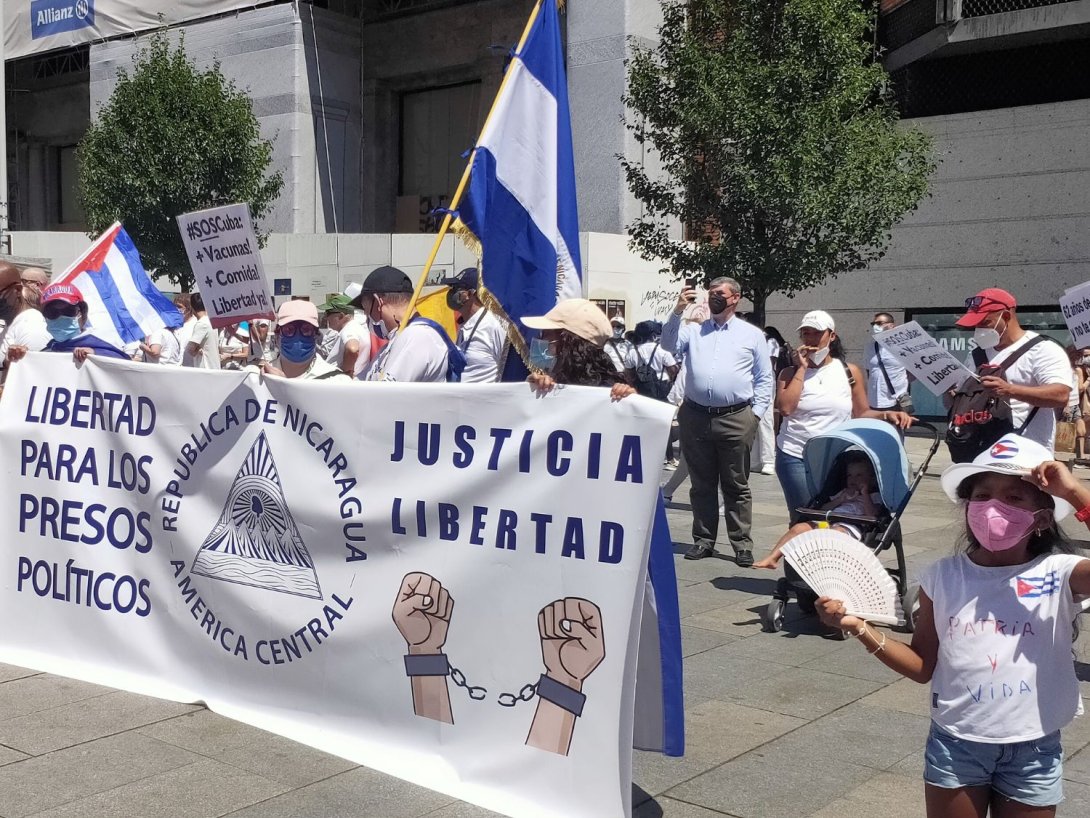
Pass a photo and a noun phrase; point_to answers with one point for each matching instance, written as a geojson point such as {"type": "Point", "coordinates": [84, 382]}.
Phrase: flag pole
{"type": "Point", "coordinates": [444, 228]}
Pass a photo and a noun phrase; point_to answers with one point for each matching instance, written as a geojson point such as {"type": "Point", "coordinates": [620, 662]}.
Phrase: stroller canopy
{"type": "Point", "coordinates": [883, 446]}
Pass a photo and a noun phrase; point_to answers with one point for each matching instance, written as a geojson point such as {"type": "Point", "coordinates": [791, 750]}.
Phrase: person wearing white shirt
{"type": "Point", "coordinates": [161, 346]}
{"type": "Point", "coordinates": [202, 351]}
{"type": "Point", "coordinates": [618, 347]}
{"type": "Point", "coordinates": [419, 353]}
{"type": "Point", "coordinates": [482, 336]}
{"type": "Point", "coordinates": [26, 328]}
{"type": "Point", "coordinates": [887, 380]}
{"type": "Point", "coordinates": [1037, 383]}
{"type": "Point", "coordinates": [351, 348]}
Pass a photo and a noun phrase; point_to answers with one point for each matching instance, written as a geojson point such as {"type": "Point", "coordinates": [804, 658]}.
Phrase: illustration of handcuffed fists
{"type": "Point", "coordinates": [422, 613]}
{"type": "Point", "coordinates": [572, 644]}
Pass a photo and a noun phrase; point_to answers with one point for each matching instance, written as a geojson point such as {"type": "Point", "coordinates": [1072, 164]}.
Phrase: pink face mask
{"type": "Point", "coordinates": [998, 526]}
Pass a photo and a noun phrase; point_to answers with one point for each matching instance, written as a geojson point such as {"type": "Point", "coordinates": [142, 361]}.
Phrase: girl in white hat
{"type": "Point", "coordinates": [993, 637]}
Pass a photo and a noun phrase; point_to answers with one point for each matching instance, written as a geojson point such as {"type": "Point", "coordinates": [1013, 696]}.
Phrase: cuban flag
{"type": "Point", "coordinates": [520, 204]}
{"type": "Point", "coordinates": [1032, 587]}
{"type": "Point", "coordinates": [123, 305]}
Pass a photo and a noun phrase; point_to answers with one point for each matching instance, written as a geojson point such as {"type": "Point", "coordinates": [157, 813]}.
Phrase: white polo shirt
{"type": "Point", "coordinates": [483, 339]}
{"type": "Point", "coordinates": [415, 354]}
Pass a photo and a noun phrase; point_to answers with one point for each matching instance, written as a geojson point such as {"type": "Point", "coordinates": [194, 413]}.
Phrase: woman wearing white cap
{"type": "Point", "coordinates": [820, 392]}
{"type": "Point", "coordinates": [993, 637]}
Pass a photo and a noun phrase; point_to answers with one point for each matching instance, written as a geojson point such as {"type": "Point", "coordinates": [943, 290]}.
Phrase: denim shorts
{"type": "Point", "coordinates": [1029, 772]}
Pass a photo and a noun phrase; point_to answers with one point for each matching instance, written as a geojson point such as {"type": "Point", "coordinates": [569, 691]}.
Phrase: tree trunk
{"type": "Point", "coordinates": [757, 316]}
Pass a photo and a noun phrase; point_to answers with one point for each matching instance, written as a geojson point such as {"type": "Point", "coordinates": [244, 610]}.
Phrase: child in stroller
{"type": "Point", "coordinates": [859, 498]}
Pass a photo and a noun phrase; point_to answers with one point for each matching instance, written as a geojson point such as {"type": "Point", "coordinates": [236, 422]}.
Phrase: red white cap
{"type": "Point", "coordinates": [65, 293]}
{"type": "Point", "coordinates": [983, 304]}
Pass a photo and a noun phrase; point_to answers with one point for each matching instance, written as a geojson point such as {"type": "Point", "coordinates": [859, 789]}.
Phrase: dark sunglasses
{"type": "Point", "coordinates": [298, 328]}
{"type": "Point", "coordinates": [57, 310]}
{"type": "Point", "coordinates": [978, 301]}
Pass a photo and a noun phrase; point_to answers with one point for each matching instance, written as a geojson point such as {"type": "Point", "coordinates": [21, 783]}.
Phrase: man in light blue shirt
{"type": "Point", "coordinates": [887, 380]}
{"type": "Point", "coordinates": [728, 387]}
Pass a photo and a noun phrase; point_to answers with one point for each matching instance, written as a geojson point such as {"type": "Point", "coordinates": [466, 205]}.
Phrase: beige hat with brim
{"type": "Point", "coordinates": [579, 317]}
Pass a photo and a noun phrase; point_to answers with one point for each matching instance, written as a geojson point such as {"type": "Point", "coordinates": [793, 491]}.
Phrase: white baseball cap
{"type": "Point", "coordinates": [819, 320]}
{"type": "Point", "coordinates": [352, 289]}
{"type": "Point", "coordinates": [1011, 454]}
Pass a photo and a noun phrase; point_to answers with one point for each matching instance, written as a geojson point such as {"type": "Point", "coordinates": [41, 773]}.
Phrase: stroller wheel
{"type": "Point", "coordinates": [772, 618]}
{"type": "Point", "coordinates": [808, 603]}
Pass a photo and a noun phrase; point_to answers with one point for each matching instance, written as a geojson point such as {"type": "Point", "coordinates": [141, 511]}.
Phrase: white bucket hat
{"type": "Point", "coordinates": [1011, 454]}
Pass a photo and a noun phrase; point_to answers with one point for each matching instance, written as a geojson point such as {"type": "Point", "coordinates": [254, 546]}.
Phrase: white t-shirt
{"type": "Point", "coordinates": [208, 341]}
{"type": "Point", "coordinates": [1043, 365]}
{"type": "Point", "coordinates": [415, 354]}
{"type": "Point", "coordinates": [185, 332]}
{"type": "Point", "coordinates": [487, 339]}
{"type": "Point", "coordinates": [617, 350]}
{"type": "Point", "coordinates": [352, 331]}
{"type": "Point", "coordinates": [26, 329]}
{"type": "Point", "coordinates": [170, 351]}
{"type": "Point", "coordinates": [651, 353]}
{"type": "Point", "coordinates": [1004, 672]}
{"type": "Point", "coordinates": [825, 403]}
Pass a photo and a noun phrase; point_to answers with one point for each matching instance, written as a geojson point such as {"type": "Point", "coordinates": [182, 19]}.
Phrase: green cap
{"type": "Point", "coordinates": [338, 303]}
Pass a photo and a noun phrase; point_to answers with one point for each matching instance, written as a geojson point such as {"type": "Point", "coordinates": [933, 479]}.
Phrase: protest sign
{"type": "Point", "coordinates": [442, 587]}
{"type": "Point", "coordinates": [226, 262]}
{"type": "Point", "coordinates": [924, 357]}
{"type": "Point", "coordinates": [1075, 304]}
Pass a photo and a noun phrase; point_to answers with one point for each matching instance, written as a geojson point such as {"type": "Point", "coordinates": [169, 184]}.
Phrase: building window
{"type": "Point", "coordinates": [69, 211]}
{"type": "Point", "coordinates": [438, 125]}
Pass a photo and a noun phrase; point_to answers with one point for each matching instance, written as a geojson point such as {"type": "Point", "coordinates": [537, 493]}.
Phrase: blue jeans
{"type": "Point", "coordinates": [791, 472]}
{"type": "Point", "coordinates": [1030, 772]}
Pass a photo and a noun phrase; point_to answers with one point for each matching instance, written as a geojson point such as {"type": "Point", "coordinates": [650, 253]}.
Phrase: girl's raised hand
{"type": "Point", "coordinates": [833, 613]}
{"type": "Point", "coordinates": [1053, 477]}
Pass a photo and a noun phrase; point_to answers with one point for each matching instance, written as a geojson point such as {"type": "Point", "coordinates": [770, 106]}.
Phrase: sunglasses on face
{"type": "Point", "coordinates": [57, 310]}
{"type": "Point", "coordinates": [298, 328]}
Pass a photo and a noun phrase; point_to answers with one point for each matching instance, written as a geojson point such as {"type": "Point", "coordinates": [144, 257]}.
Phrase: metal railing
{"type": "Point", "coordinates": [981, 8]}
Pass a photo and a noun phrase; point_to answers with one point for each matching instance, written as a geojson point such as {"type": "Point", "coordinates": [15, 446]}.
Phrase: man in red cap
{"type": "Point", "coordinates": [1037, 379]}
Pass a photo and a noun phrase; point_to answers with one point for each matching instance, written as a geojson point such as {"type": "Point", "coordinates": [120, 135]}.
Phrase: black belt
{"type": "Point", "coordinates": [717, 410]}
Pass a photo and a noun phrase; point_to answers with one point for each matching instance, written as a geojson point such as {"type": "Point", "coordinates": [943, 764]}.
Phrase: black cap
{"type": "Point", "coordinates": [468, 279]}
{"type": "Point", "coordinates": [384, 280]}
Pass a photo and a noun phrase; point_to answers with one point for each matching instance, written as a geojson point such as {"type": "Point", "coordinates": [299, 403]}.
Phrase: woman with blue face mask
{"type": "Point", "coordinates": [297, 333]}
{"type": "Point", "coordinates": [65, 314]}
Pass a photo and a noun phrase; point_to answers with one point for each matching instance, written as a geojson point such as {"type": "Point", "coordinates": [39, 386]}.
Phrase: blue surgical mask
{"type": "Point", "coordinates": [540, 356]}
{"type": "Point", "coordinates": [63, 327]}
{"type": "Point", "coordinates": [298, 349]}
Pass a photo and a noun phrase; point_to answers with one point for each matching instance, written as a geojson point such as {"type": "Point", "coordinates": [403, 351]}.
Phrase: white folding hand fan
{"type": "Point", "coordinates": [838, 566]}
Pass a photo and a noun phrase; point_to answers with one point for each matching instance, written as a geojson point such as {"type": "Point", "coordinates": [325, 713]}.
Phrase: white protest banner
{"type": "Point", "coordinates": [1075, 304]}
{"type": "Point", "coordinates": [226, 262]}
{"type": "Point", "coordinates": [440, 581]}
{"type": "Point", "coordinates": [924, 357]}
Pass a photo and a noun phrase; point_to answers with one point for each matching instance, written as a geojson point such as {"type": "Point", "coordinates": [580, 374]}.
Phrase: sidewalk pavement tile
{"type": "Point", "coordinates": [359, 793]}
{"type": "Point", "coordinates": [86, 769]}
{"type": "Point", "coordinates": [669, 808]}
{"type": "Point", "coordinates": [206, 788]}
{"type": "Point", "coordinates": [715, 732]}
{"type": "Point", "coordinates": [75, 723]}
{"type": "Point", "coordinates": [850, 659]}
{"type": "Point", "coordinates": [806, 694]}
{"type": "Point", "coordinates": [862, 735]}
{"type": "Point", "coordinates": [1076, 802]}
{"type": "Point", "coordinates": [274, 757]}
{"type": "Point", "coordinates": [783, 648]}
{"type": "Point", "coordinates": [1077, 766]}
{"type": "Point", "coordinates": [719, 676]}
{"type": "Point", "coordinates": [11, 672]}
{"type": "Point", "coordinates": [460, 809]}
{"type": "Point", "coordinates": [905, 696]}
{"type": "Point", "coordinates": [767, 784]}
{"type": "Point", "coordinates": [888, 795]}
{"type": "Point", "coordinates": [698, 640]}
{"type": "Point", "coordinates": [33, 693]}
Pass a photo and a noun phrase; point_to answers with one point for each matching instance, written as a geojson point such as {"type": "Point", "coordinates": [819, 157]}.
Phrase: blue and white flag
{"type": "Point", "coordinates": [520, 204]}
{"type": "Point", "coordinates": [123, 305]}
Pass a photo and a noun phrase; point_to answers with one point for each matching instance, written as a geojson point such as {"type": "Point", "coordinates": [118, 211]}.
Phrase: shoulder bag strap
{"type": "Point", "coordinates": [882, 366]}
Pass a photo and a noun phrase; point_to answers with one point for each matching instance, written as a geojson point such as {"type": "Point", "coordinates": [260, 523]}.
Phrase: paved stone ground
{"type": "Point", "coordinates": [789, 724]}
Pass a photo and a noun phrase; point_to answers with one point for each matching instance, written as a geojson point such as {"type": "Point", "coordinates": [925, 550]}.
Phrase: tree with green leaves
{"type": "Point", "coordinates": [779, 143]}
{"type": "Point", "coordinates": [170, 140]}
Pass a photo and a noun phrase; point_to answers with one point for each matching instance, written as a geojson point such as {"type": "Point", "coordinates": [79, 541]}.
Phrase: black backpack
{"type": "Point", "coordinates": [978, 419]}
{"type": "Point", "coordinates": [648, 382]}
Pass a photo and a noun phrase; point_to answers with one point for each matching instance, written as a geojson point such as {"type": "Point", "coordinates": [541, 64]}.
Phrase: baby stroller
{"type": "Point", "coordinates": [825, 474]}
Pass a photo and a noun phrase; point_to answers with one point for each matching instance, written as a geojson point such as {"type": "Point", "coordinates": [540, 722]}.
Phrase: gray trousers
{"type": "Point", "coordinates": [717, 449]}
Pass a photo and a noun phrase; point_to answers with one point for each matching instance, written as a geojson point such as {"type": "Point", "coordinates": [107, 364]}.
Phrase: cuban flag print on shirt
{"type": "Point", "coordinates": [1032, 587]}
{"type": "Point", "coordinates": [520, 204]}
{"type": "Point", "coordinates": [123, 305]}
